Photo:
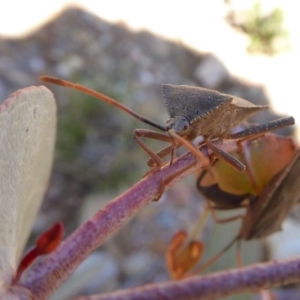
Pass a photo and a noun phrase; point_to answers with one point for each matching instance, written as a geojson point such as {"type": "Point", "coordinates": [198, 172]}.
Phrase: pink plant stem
{"type": "Point", "coordinates": [215, 286]}
{"type": "Point", "coordinates": [44, 278]}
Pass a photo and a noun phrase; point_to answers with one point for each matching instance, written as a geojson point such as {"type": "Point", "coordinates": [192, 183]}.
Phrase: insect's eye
{"type": "Point", "coordinates": [185, 125]}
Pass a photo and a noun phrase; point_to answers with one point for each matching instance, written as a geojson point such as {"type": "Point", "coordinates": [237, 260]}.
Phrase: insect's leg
{"type": "Point", "coordinates": [162, 153]}
{"type": "Point", "coordinates": [244, 151]}
{"type": "Point", "coordinates": [173, 153]}
{"type": "Point", "coordinates": [168, 179]}
{"type": "Point", "coordinates": [200, 224]}
{"type": "Point", "coordinates": [217, 220]}
{"type": "Point", "coordinates": [191, 147]}
{"type": "Point", "coordinates": [138, 133]}
{"type": "Point", "coordinates": [214, 258]}
{"type": "Point", "coordinates": [257, 131]}
{"type": "Point", "coordinates": [231, 160]}
{"type": "Point", "coordinates": [195, 151]}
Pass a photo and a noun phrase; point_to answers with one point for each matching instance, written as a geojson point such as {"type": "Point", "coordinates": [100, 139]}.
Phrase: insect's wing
{"type": "Point", "coordinates": [240, 102]}
{"type": "Point", "coordinates": [265, 157]}
{"type": "Point", "coordinates": [229, 180]}
{"type": "Point", "coordinates": [268, 156]}
{"type": "Point", "coordinates": [266, 215]}
{"type": "Point", "coordinates": [27, 136]}
{"type": "Point", "coordinates": [192, 102]}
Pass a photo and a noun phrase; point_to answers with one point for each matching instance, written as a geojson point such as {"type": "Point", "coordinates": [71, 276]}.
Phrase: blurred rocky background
{"type": "Point", "coordinates": [96, 157]}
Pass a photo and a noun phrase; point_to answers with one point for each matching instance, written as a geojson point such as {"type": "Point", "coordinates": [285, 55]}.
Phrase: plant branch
{"type": "Point", "coordinates": [44, 278]}
{"type": "Point", "coordinates": [215, 286]}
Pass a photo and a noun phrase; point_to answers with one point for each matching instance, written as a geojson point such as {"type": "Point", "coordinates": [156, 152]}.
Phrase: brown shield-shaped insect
{"type": "Point", "coordinates": [193, 111]}
{"type": "Point", "coordinates": [268, 189]}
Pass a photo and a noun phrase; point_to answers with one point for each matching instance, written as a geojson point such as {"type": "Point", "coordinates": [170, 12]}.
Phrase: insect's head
{"type": "Point", "coordinates": [179, 125]}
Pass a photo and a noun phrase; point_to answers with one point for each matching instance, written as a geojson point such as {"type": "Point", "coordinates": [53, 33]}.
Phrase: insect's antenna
{"type": "Point", "coordinates": [104, 98]}
{"type": "Point", "coordinates": [215, 257]}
